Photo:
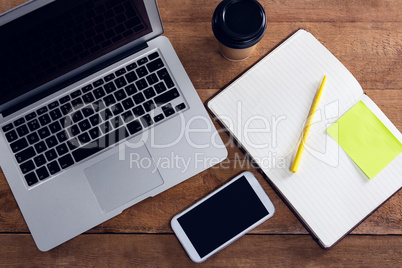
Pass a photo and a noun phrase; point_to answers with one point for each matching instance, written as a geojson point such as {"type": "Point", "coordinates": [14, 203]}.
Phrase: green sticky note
{"type": "Point", "coordinates": [365, 139]}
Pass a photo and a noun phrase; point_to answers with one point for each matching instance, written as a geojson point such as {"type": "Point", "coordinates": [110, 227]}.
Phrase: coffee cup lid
{"type": "Point", "coordinates": [239, 23]}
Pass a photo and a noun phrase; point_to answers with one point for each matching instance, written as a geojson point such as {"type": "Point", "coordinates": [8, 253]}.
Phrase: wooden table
{"type": "Point", "coordinates": [366, 36]}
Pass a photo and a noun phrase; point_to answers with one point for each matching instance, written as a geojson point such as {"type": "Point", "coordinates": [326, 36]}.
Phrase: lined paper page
{"type": "Point", "coordinates": [265, 109]}
{"type": "Point", "coordinates": [330, 192]}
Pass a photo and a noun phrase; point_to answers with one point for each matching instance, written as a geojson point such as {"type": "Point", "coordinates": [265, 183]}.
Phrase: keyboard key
{"type": "Point", "coordinates": [127, 116]}
{"type": "Point", "coordinates": [158, 118]}
{"type": "Point", "coordinates": [40, 147]}
{"type": "Point", "coordinates": [117, 109]}
{"type": "Point", "coordinates": [61, 136]}
{"type": "Point", "coordinates": [11, 136]}
{"type": "Point", "coordinates": [19, 145]}
{"type": "Point", "coordinates": [152, 79]}
{"type": "Point", "coordinates": [94, 133]}
{"type": "Point", "coordinates": [180, 107]}
{"type": "Point", "coordinates": [131, 66]}
{"type": "Point", "coordinates": [106, 114]}
{"type": "Point", "coordinates": [166, 97]}
{"type": "Point", "coordinates": [155, 65]}
{"type": "Point", "coordinates": [109, 77]}
{"type": "Point", "coordinates": [55, 114]}
{"type": "Point", "coordinates": [66, 161]}
{"type": "Point", "coordinates": [120, 95]}
{"type": "Point", "coordinates": [74, 131]}
{"type": "Point", "coordinates": [120, 72]}
{"type": "Point", "coordinates": [116, 122]}
{"type": "Point", "coordinates": [138, 98]}
{"type": "Point", "coordinates": [128, 103]}
{"type": "Point", "coordinates": [168, 110]}
{"type": "Point", "coordinates": [22, 130]}
{"type": "Point", "coordinates": [130, 89]}
{"type": "Point", "coordinates": [51, 141]}
{"type": "Point", "coordinates": [33, 138]}
{"type": "Point", "coordinates": [77, 116]}
{"type": "Point", "coordinates": [87, 111]}
{"type": "Point", "coordinates": [141, 84]}
{"type": "Point", "coordinates": [163, 73]}
{"type": "Point", "coordinates": [88, 98]}
{"type": "Point", "coordinates": [153, 55]}
{"type": "Point", "coordinates": [98, 83]}
{"type": "Point", "coordinates": [53, 105]}
{"type": "Point", "coordinates": [53, 167]}
{"type": "Point", "coordinates": [41, 111]}
{"type": "Point", "coordinates": [149, 93]}
{"type": "Point", "coordinates": [40, 160]}
{"type": "Point", "coordinates": [8, 127]}
{"type": "Point", "coordinates": [103, 142]}
{"type": "Point", "coordinates": [94, 120]}
{"type": "Point", "coordinates": [141, 72]}
{"type": "Point", "coordinates": [134, 127]}
{"type": "Point", "coordinates": [55, 127]}
{"type": "Point", "coordinates": [109, 87]}
{"type": "Point", "coordinates": [33, 125]}
{"type": "Point", "coordinates": [84, 138]}
{"type": "Point", "coordinates": [61, 149]}
{"type": "Point", "coordinates": [65, 99]}
{"type": "Point", "coordinates": [105, 127]}
{"type": "Point", "coordinates": [146, 120]}
{"type": "Point", "coordinates": [87, 88]}
{"type": "Point", "coordinates": [131, 77]}
{"type": "Point", "coordinates": [75, 94]}
{"type": "Point", "coordinates": [109, 100]}
{"type": "Point", "coordinates": [44, 119]}
{"type": "Point", "coordinates": [42, 173]}
{"type": "Point", "coordinates": [66, 108]}
{"type": "Point", "coordinates": [120, 82]}
{"type": "Point", "coordinates": [149, 105]}
{"type": "Point", "coordinates": [27, 166]}
{"type": "Point", "coordinates": [50, 155]}
{"type": "Point", "coordinates": [77, 103]}
{"type": "Point", "coordinates": [99, 93]}
{"type": "Point", "coordinates": [31, 179]}
{"type": "Point", "coordinates": [84, 125]}
{"type": "Point", "coordinates": [19, 122]}
{"type": "Point", "coordinates": [138, 111]}
{"type": "Point", "coordinates": [30, 116]}
{"type": "Point", "coordinates": [25, 155]}
{"type": "Point", "coordinates": [142, 61]}
{"type": "Point", "coordinates": [160, 87]}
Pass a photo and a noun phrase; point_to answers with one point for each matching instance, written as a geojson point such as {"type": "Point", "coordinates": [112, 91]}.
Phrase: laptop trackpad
{"type": "Point", "coordinates": [123, 177]}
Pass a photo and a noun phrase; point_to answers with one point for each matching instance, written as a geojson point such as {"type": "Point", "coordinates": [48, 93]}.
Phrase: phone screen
{"type": "Point", "coordinates": [222, 216]}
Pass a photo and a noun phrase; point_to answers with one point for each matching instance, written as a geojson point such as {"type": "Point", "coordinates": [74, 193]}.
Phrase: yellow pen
{"type": "Point", "coordinates": [306, 130]}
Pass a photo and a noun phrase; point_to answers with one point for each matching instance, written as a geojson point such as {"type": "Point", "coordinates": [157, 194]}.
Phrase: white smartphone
{"type": "Point", "coordinates": [222, 217]}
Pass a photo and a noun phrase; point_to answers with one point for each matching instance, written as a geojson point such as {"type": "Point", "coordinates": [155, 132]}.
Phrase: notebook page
{"type": "Point", "coordinates": [265, 109]}
{"type": "Point", "coordinates": [330, 192]}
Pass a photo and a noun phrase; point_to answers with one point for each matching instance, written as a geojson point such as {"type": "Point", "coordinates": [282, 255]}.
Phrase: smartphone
{"type": "Point", "coordinates": [222, 217]}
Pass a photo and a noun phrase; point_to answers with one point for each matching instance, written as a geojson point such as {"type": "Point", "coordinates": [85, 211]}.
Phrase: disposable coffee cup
{"type": "Point", "coordinates": [238, 25]}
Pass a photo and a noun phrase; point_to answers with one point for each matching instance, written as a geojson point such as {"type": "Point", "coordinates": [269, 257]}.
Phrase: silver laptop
{"type": "Point", "coordinates": [97, 113]}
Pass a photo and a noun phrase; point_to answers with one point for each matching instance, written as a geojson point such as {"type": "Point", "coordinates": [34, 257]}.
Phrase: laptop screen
{"type": "Point", "coordinates": [62, 36]}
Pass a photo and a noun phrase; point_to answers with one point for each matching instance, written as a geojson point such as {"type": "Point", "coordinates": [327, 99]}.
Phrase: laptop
{"type": "Point", "coordinates": [97, 113]}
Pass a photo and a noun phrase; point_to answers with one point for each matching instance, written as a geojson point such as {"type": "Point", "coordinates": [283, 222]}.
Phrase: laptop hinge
{"type": "Point", "coordinates": [74, 79]}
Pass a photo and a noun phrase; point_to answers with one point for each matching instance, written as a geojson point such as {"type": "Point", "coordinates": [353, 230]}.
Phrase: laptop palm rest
{"type": "Point", "coordinates": [122, 177]}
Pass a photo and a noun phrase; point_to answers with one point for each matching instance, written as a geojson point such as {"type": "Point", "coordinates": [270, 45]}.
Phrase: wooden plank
{"type": "Point", "coordinates": [165, 250]}
{"type": "Point", "coordinates": [154, 214]}
{"type": "Point", "coordinates": [370, 52]}
{"type": "Point", "coordinates": [288, 10]}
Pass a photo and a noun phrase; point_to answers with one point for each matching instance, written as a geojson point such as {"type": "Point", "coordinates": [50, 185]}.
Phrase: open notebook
{"type": "Point", "coordinates": [265, 110]}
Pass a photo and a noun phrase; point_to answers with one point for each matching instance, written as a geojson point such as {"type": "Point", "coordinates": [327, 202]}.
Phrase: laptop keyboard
{"type": "Point", "coordinates": [78, 125]}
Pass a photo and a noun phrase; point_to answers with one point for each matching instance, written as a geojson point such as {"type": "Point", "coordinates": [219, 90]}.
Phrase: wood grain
{"type": "Point", "coordinates": [165, 251]}
{"type": "Point", "coordinates": [365, 35]}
